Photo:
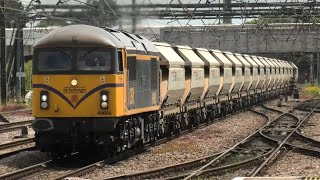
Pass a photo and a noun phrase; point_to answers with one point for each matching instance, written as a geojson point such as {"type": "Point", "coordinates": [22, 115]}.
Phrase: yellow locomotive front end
{"type": "Point", "coordinates": [78, 95]}
{"type": "Point", "coordinates": [78, 89]}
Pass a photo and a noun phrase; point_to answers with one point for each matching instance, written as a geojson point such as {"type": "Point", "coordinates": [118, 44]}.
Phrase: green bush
{"type": "Point", "coordinates": [28, 73]}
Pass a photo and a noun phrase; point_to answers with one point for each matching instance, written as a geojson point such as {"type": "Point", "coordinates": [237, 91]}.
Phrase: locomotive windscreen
{"type": "Point", "coordinates": [87, 60]}
{"type": "Point", "coordinates": [54, 61]}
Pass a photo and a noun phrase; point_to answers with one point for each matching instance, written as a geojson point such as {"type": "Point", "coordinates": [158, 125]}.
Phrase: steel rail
{"type": "Point", "coordinates": [13, 128]}
{"type": "Point", "coordinates": [223, 168]}
{"type": "Point", "coordinates": [16, 143]}
{"type": "Point", "coordinates": [315, 152]}
{"type": "Point", "coordinates": [25, 171]}
{"type": "Point", "coordinates": [4, 155]}
{"type": "Point", "coordinates": [307, 109]}
{"type": "Point", "coordinates": [283, 142]}
{"type": "Point", "coordinates": [230, 149]}
{"type": "Point", "coordinates": [12, 124]}
{"type": "Point", "coordinates": [15, 111]}
{"type": "Point", "coordinates": [141, 175]}
{"type": "Point", "coordinates": [3, 119]}
{"type": "Point", "coordinates": [98, 164]}
{"type": "Point", "coordinates": [202, 170]}
{"type": "Point", "coordinates": [306, 138]}
{"type": "Point", "coordinates": [166, 168]}
{"type": "Point", "coordinates": [93, 166]}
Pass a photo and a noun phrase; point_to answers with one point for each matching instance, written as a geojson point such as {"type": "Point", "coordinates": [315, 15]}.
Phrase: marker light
{"type": "Point", "coordinates": [104, 99]}
{"type": "Point", "coordinates": [44, 105]}
{"type": "Point", "coordinates": [44, 99]}
{"type": "Point", "coordinates": [104, 105]}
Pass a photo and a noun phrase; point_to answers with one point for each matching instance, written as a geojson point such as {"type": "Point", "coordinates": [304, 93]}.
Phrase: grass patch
{"type": "Point", "coordinates": [28, 72]}
{"type": "Point", "coordinates": [309, 91]}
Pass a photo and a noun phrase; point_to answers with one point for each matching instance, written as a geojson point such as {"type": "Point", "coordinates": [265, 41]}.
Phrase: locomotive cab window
{"type": "Point", "coordinates": [75, 60]}
{"type": "Point", "coordinates": [91, 60]}
{"type": "Point", "coordinates": [54, 61]}
{"type": "Point", "coordinates": [120, 63]}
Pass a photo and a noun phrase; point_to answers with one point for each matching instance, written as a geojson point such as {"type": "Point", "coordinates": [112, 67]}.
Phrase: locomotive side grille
{"type": "Point", "coordinates": [132, 67]}
{"type": "Point", "coordinates": [154, 73]}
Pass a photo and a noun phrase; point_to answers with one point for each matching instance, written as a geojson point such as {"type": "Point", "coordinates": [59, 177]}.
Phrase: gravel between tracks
{"type": "Point", "coordinates": [21, 160]}
{"type": "Point", "coordinates": [313, 126]}
{"type": "Point", "coordinates": [14, 136]}
{"type": "Point", "coordinates": [18, 117]}
{"type": "Point", "coordinates": [286, 106]}
{"type": "Point", "coordinates": [214, 138]}
{"type": "Point", "coordinates": [295, 164]}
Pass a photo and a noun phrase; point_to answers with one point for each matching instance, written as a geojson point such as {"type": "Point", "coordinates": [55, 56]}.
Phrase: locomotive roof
{"type": "Point", "coordinates": [79, 35]}
{"type": "Point", "coordinates": [85, 35]}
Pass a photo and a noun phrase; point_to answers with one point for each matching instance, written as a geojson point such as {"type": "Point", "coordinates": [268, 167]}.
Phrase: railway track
{"type": "Point", "coordinates": [266, 150]}
{"type": "Point", "coordinates": [42, 167]}
{"type": "Point", "coordinates": [3, 119]}
{"type": "Point", "coordinates": [8, 149]}
{"type": "Point", "coordinates": [195, 163]}
{"type": "Point", "coordinates": [179, 171]}
{"type": "Point", "coordinates": [280, 132]}
{"type": "Point", "coordinates": [12, 144]}
{"type": "Point", "coordinates": [13, 126]}
{"type": "Point", "coordinates": [249, 153]}
{"type": "Point", "coordinates": [13, 152]}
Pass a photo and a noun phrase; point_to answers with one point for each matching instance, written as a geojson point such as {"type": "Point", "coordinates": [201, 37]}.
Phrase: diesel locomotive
{"type": "Point", "coordinates": [109, 90]}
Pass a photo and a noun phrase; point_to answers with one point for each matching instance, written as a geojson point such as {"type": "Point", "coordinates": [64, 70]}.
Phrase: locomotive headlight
{"type": "Point", "coordinates": [44, 99]}
{"type": "Point", "coordinates": [74, 82]}
{"type": "Point", "coordinates": [104, 99]}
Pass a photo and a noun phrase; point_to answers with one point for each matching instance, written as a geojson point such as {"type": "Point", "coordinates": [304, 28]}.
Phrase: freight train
{"type": "Point", "coordinates": [109, 90]}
